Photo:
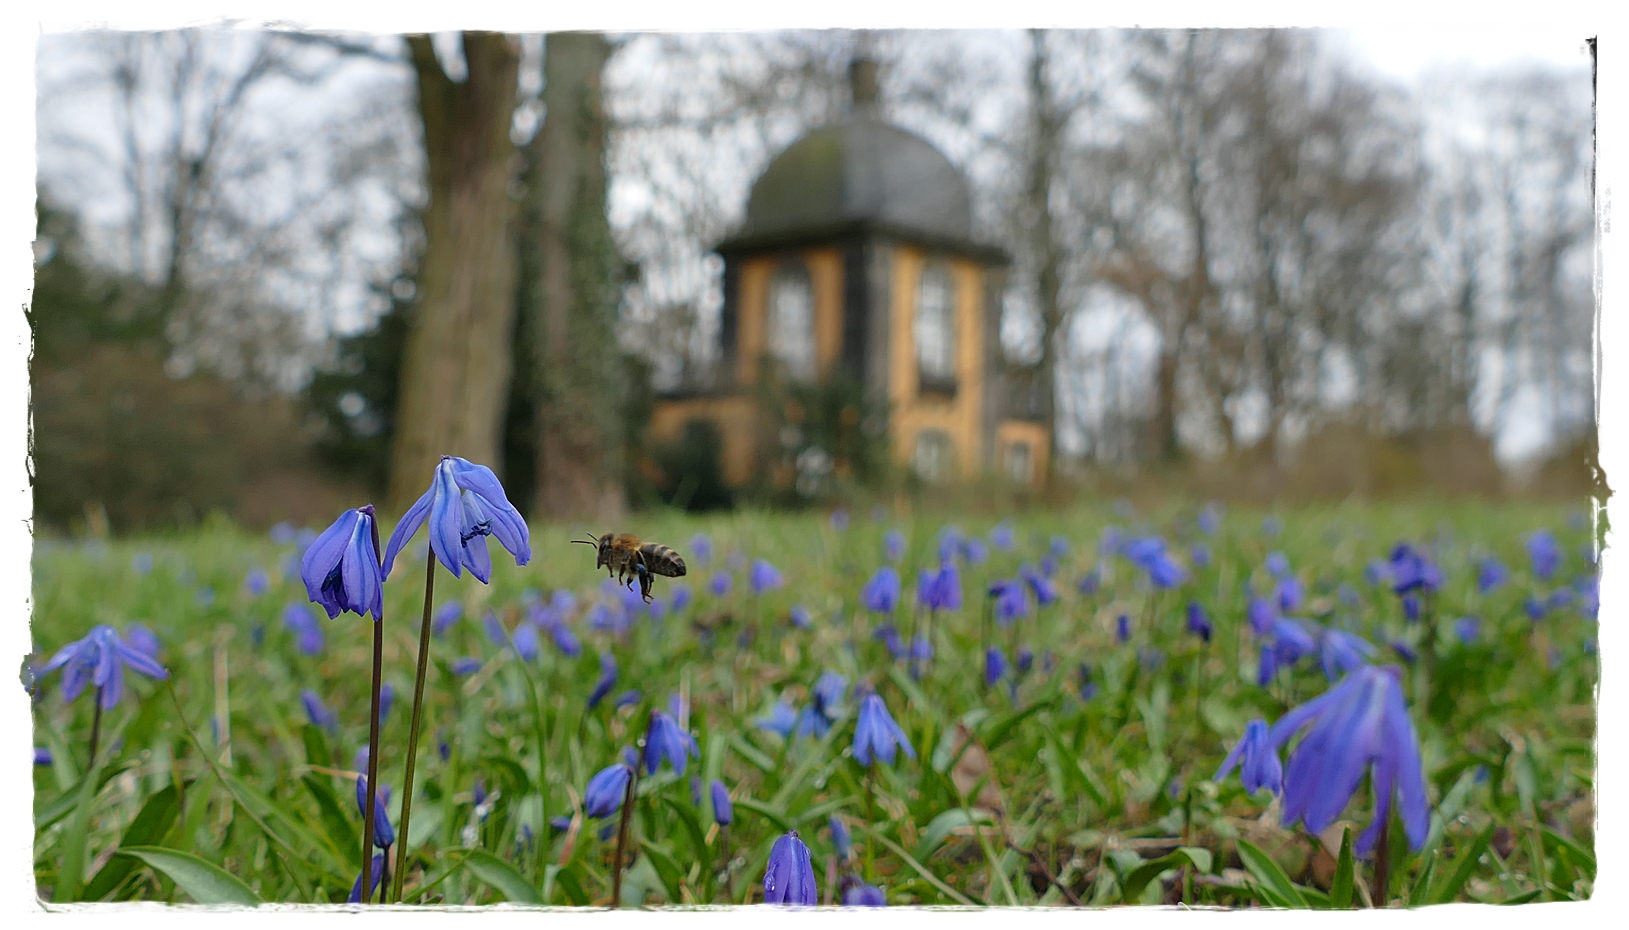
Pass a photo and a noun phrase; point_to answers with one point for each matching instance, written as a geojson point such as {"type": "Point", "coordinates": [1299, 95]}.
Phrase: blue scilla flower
{"type": "Point", "coordinates": [1088, 685]}
{"type": "Point", "coordinates": [679, 600]}
{"type": "Point", "coordinates": [800, 617]}
{"type": "Point", "coordinates": [950, 541]}
{"type": "Point", "coordinates": [1024, 661]}
{"type": "Point", "coordinates": [384, 834]}
{"type": "Point", "coordinates": [1011, 603]}
{"type": "Point", "coordinates": [1271, 526]}
{"type": "Point", "coordinates": [607, 680]}
{"type": "Point", "coordinates": [881, 594]}
{"type": "Point", "coordinates": [627, 698]}
{"type": "Point", "coordinates": [1289, 593]}
{"type": "Point", "coordinates": [283, 533]}
{"type": "Point", "coordinates": [828, 694]}
{"type": "Point", "coordinates": [1090, 582]}
{"type": "Point", "coordinates": [1360, 725]}
{"type": "Point", "coordinates": [1049, 565]}
{"type": "Point", "coordinates": [721, 584]}
{"type": "Point", "coordinates": [974, 551]}
{"type": "Point", "coordinates": [42, 756]}
{"type": "Point", "coordinates": [1001, 536]}
{"type": "Point", "coordinates": [560, 824]}
{"type": "Point", "coordinates": [465, 666]}
{"type": "Point", "coordinates": [525, 641]}
{"type": "Point", "coordinates": [723, 810]}
{"type": "Point", "coordinates": [893, 544]}
{"type": "Point", "coordinates": [317, 712]}
{"type": "Point", "coordinates": [1257, 758]}
{"type": "Point", "coordinates": [840, 840]}
{"type": "Point", "coordinates": [812, 723]}
{"type": "Point", "coordinates": [341, 567]}
{"type": "Point", "coordinates": [1536, 608]}
{"type": "Point", "coordinates": [1545, 554]}
{"type": "Point", "coordinates": [890, 637]}
{"type": "Point", "coordinates": [1376, 572]}
{"type": "Point", "coordinates": [376, 874]}
{"type": "Point", "coordinates": [1291, 641]}
{"type": "Point", "coordinates": [1040, 585]}
{"type": "Point", "coordinates": [789, 877]}
{"type": "Point", "coordinates": [995, 665]}
{"type": "Point", "coordinates": [256, 582]}
{"type": "Point", "coordinates": [876, 734]}
{"type": "Point", "coordinates": [1199, 554]}
{"type": "Point", "coordinates": [100, 659]}
{"type": "Point", "coordinates": [1266, 665]}
{"type": "Point", "coordinates": [940, 590]}
{"type": "Point", "coordinates": [603, 796]}
{"type": "Point", "coordinates": [1261, 614]}
{"type": "Point", "coordinates": [1561, 598]}
{"type": "Point", "coordinates": [1058, 546]}
{"type": "Point", "coordinates": [1210, 519]}
{"type": "Point", "coordinates": [763, 577]}
{"type": "Point", "coordinates": [143, 640]}
{"type": "Point", "coordinates": [387, 697]}
{"type": "Point", "coordinates": [666, 741]}
{"type": "Point", "coordinates": [859, 894]}
{"type": "Point", "coordinates": [1467, 628]}
{"type": "Point", "coordinates": [1122, 628]}
{"type": "Point", "coordinates": [1411, 570]}
{"type": "Point", "coordinates": [1198, 621]}
{"type": "Point", "coordinates": [446, 615]}
{"type": "Point", "coordinates": [464, 505]}
{"type": "Point", "coordinates": [839, 519]}
{"type": "Point", "coordinates": [1411, 607]}
{"type": "Point", "coordinates": [701, 549]}
{"type": "Point", "coordinates": [1404, 650]}
{"type": "Point", "coordinates": [1491, 574]}
{"type": "Point", "coordinates": [782, 719]}
{"type": "Point", "coordinates": [1340, 652]}
{"type": "Point", "coordinates": [300, 621]}
{"type": "Point", "coordinates": [1278, 564]}
{"type": "Point", "coordinates": [495, 632]}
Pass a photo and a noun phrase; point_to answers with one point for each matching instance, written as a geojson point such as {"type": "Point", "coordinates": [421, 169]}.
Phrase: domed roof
{"type": "Point", "coordinates": [859, 173]}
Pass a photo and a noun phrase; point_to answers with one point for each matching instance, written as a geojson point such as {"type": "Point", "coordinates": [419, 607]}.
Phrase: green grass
{"type": "Point", "coordinates": [1111, 796]}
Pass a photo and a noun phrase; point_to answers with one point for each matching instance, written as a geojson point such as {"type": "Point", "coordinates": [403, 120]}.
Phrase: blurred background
{"type": "Point", "coordinates": [280, 273]}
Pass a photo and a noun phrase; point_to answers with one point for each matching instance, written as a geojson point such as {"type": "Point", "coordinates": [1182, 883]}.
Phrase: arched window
{"type": "Point", "coordinates": [1020, 462]}
{"type": "Point", "coordinates": [935, 457]}
{"type": "Point", "coordinates": [935, 328]}
{"type": "Point", "coordinates": [791, 321]}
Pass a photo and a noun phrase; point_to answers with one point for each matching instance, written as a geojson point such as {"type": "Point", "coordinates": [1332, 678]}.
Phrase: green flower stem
{"type": "Point", "coordinates": [413, 730]}
{"type": "Point", "coordinates": [373, 758]}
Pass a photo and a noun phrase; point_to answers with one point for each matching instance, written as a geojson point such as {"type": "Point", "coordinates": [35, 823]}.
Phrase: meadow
{"type": "Point", "coordinates": [1065, 734]}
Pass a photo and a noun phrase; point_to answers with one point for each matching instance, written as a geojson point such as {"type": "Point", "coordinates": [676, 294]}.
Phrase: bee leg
{"type": "Point", "coordinates": [644, 580]}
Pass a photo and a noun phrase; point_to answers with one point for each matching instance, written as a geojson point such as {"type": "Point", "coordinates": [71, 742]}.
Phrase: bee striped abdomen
{"type": "Point", "coordinates": [662, 560]}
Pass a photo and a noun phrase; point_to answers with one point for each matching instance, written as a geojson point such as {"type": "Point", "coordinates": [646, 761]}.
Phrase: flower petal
{"type": "Point", "coordinates": [447, 521]}
{"type": "Point", "coordinates": [405, 530]}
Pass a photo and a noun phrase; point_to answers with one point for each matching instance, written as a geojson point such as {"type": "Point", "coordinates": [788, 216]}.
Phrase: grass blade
{"type": "Point", "coordinates": [1340, 890]}
{"type": "Point", "coordinates": [205, 882]}
{"type": "Point", "coordinates": [501, 877]}
{"type": "Point", "coordinates": [1262, 867]}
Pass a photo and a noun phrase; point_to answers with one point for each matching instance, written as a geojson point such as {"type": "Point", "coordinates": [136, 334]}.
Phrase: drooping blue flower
{"type": "Point", "coordinates": [1088, 686]}
{"type": "Point", "coordinates": [1536, 608]}
{"type": "Point", "coordinates": [1360, 725]}
{"type": "Point", "coordinates": [565, 640]}
{"type": "Point", "coordinates": [893, 544]}
{"type": "Point", "coordinates": [317, 712]}
{"type": "Point", "coordinates": [1404, 650]}
{"type": "Point", "coordinates": [1271, 526]}
{"type": "Point", "coordinates": [1049, 565]}
{"type": "Point", "coordinates": [1090, 582]}
{"type": "Point", "coordinates": [143, 640]}
{"type": "Point", "coordinates": [701, 549]}
{"type": "Point", "coordinates": [465, 666]}
{"type": "Point", "coordinates": [881, 594]}
{"type": "Point", "coordinates": [862, 895]}
{"type": "Point", "coordinates": [607, 680]}
{"type": "Point", "coordinates": [1411, 570]}
{"type": "Point", "coordinates": [1024, 661]}
{"type": "Point", "coordinates": [800, 617]}
{"type": "Point", "coordinates": [283, 533]}
{"type": "Point", "coordinates": [840, 840]}
{"type": "Point", "coordinates": [723, 810]}
{"type": "Point", "coordinates": [1199, 555]}
{"type": "Point", "coordinates": [974, 551]}
{"type": "Point", "coordinates": [627, 698]}
{"type": "Point", "coordinates": [1561, 599]}
{"type": "Point", "coordinates": [1289, 593]}
{"type": "Point", "coordinates": [495, 633]}
{"type": "Point", "coordinates": [1291, 641]}
{"type": "Point", "coordinates": [1340, 652]}
{"type": "Point", "coordinates": [42, 755]}
{"type": "Point", "coordinates": [1490, 575]}
{"type": "Point", "coordinates": [828, 694]}
{"type": "Point", "coordinates": [1545, 554]}
{"type": "Point", "coordinates": [1278, 564]}
{"type": "Point", "coordinates": [1122, 628]}
{"type": "Point", "coordinates": [839, 519]}
{"type": "Point", "coordinates": [376, 874]}
{"type": "Point", "coordinates": [876, 734]}
{"type": "Point", "coordinates": [995, 665]}
{"type": "Point", "coordinates": [1467, 628]}
{"type": "Point", "coordinates": [950, 542]}
{"type": "Point", "coordinates": [603, 796]}
{"type": "Point", "coordinates": [100, 659]}
{"type": "Point", "coordinates": [307, 631]}
{"type": "Point", "coordinates": [666, 741]}
{"type": "Point", "coordinates": [1058, 546]}
{"type": "Point", "coordinates": [1259, 757]}
{"type": "Point", "coordinates": [1210, 519]}
{"type": "Point", "coordinates": [1266, 665]}
{"type": "Point", "coordinates": [1198, 621]}
{"type": "Point", "coordinates": [384, 834]}
{"type": "Point", "coordinates": [387, 697]}
{"type": "Point", "coordinates": [525, 641]}
{"type": "Point", "coordinates": [1040, 585]}
{"type": "Point", "coordinates": [789, 878]}
{"type": "Point", "coordinates": [721, 584]}
{"type": "Point", "coordinates": [256, 582]}
{"type": "Point", "coordinates": [940, 590]}
{"type": "Point", "coordinates": [341, 567]}
{"type": "Point", "coordinates": [1262, 614]}
{"type": "Point", "coordinates": [1149, 555]}
{"type": "Point", "coordinates": [763, 577]}
{"type": "Point", "coordinates": [1011, 603]}
{"type": "Point", "coordinates": [1001, 536]}
{"type": "Point", "coordinates": [679, 600]}
{"type": "Point", "coordinates": [464, 505]}
{"type": "Point", "coordinates": [1376, 572]}
{"type": "Point", "coordinates": [446, 615]}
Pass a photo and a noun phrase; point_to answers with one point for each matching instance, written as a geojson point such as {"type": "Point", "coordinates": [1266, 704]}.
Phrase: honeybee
{"type": "Point", "coordinates": [626, 558]}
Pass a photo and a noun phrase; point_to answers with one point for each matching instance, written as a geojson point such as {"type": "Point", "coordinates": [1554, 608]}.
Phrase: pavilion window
{"type": "Point", "coordinates": [935, 329]}
{"type": "Point", "coordinates": [791, 321]}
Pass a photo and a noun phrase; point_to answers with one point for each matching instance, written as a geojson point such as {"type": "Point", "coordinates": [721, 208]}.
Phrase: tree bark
{"type": "Point", "coordinates": [1046, 125]}
{"type": "Point", "coordinates": [456, 364]}
{"type": "Point", "coordinates": [570, 294]}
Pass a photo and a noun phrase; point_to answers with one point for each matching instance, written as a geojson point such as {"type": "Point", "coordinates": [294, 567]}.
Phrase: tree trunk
{"type": "Point", "coordinates": [570, 294]}
{"type": "Point", "coordinates": [1048, 256]}
{"type": "Point", "coordinates": [456, 364]}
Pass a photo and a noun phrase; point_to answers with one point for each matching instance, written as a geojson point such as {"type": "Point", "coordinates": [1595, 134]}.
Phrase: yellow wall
{"type": "Point", "coordinates": [1040, 446]}
{"type": "Point", "coordinates": [825, 280]}
{"type": "Point", "coordinates": [736, 421]}
{"type": "Point", "coordinates": [910, 412]}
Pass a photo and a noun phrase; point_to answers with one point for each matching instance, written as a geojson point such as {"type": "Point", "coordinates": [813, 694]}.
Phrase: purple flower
{"type": "Point", "coordinates": [721, 584]}
{"type": "Point", "coordinates": [1090, 582]}
{"type": "Point", "coordinates": [1272, 526]}
{"type": "Point", "coordinates": [387, 697]}
{"type": "Point", "coordinates": [800, 616]}
{"type": "Point", "coordinates": [1058, 546]}
{"type": "Point", "coordinates": [283, 533]}
{"type": "Point", "coordinates": [876, 734]}
{"type": "Point", "coordinates": [1411, 607]}
{"type": "Point", "coordinates": [1198, 621]}
{"type": "Point", "coordinates": [1122, 628]}
{"type": "Point", "coordinates": [1340, 652]}
{"type": "Point", "coordinates": [1261, 768]}
{"type": "Point", "coordinates": [763, 577]}
{"type": "Point", "coordinates": [950, 541]}
{"type": "Point", "coordinates": [464, 505]}
{"type": "Point", "coordinates": [839, 519]}
{"type": "Point", "coordinates": [603, 796]}
{"type": "Point", "coordinates": [680, 599]}
{"type": "Point", "coordinates": [881, 594]}
{"type": "Point", "coordinates": [1049, 565]}
{"type": "Point", "coordinates": [890, 636]}
{"type": "Point", "coordinates": [1088, 687]}
{"type": "Point", "coordinates": [840, 840]}
{"type": "Point", "coordinates": [143, 640]}
{"type": "Point", "coordinates": [1289, 593]}
{"type": "Point", "coordinates": [256, 582]}
{"type": "Point", "coordinates": [341, 567]}
{"type": "Point", "coordinates": [375, 875]}
{"type": "Point", "coordinates": [995, 665]}
{"type": "Point", "coordinates": [665, 741]}
{"type": "Point", "coordinates": [789, 878]}
{"type": "Point", "coordinates": [1359, 725]}
{"type": "Point", "coordinates": [701, 549]}
{"type": "Point", "coordinates": [1490, 575]}
{"type": "Point", "coordinates": [307, 631]}
{"type": "Point", "coordinates": [974, 552]}
{"type": "Point", "coordinates": [1149, 554]}
{"type": "Point", "coordinates": [525, 641]}
{"type": "Point", "coordinates": [383, 833]}
{"type": "Point", "coordinates": [893, 543]}
{"type": "Point", "coordinates": [100, 659]}
{"type": "Point", "coordinates": [1010, 601]}
{"type": "Point", "coordinates": [1545, 554]}
{"type": "Point", "coordinates": [1536, 608]}
{"type": "Point", "coordinates": [723, 810]}
{"type": "Point", "coordinates": [1262, 614]}
{"type": "Point", "coordinates": [863, 895]}
{"type": "Point", "coordinates": [1210, 519]}
{"type": "Point", "coordinates": [1411, 570]}
{"type": "Point", "coordinates": [941, 590]}
{"type": "Point", "coordinates": [1025, 660]}
{"type": "Point", "coordinates": [1376, 572]}
{"type": "Point", "coordinates": [494, 629]}
{"type": "Point", "coordinates": [42, 756]}
{"type": "Point", "coordinates": [1291, 642]}
{"type": "Point", "coordinates": [627, 698]}
{"type": "Point", "coordinates": [607, 680]}
{"type": "Point", "coordinates": [1266, 665]}
{"type": "Point", "coordinates": [1199, 555]}
{"type": "Point", "coordinates": [1044, 590]}
{"type": "Point", "coordinates": [565, 640]}
{"type": "Point", "coordinates": [1404, 650]}
{"type": "Point", "coordinates": [828, 693]}
{"type": "Point", "coordinates": [1001, 536]}
{"type": "Point", "coordinates": [448, 614]}
{"type": "Point", "coordinates": [317, 712]}
{"type": "Point", "coordinates": [1278, 564]}
{"type": "Point", "coordinates": [782, 719]}
{"type": "Point", "coordinates": [465, 666]}
{"type": "Point", "coordinates": [1466, 628]}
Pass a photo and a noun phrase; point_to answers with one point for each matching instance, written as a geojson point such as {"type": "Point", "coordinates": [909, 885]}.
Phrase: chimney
{"type": "Point", "coordinates": [862, 80]}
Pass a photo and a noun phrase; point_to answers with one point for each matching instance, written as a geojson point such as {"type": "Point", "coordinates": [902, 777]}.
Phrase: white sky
{"type": "Point", "coordinates": [1407, 52]}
